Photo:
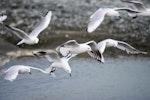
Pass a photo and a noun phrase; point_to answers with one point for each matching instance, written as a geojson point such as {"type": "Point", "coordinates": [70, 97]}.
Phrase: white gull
{"type": "Point", "coordinates": [102, 45]}
{"type": "Point", "coordinates": [32, 38]}
{"type": "Point", "coordinates": [73, 48]}
{"type": "Point", "coordinates": [98, 16]}
{"type": "Point", "coordinates": [15, 70]}
{"type": "Point", "coordinates": [52, 56]}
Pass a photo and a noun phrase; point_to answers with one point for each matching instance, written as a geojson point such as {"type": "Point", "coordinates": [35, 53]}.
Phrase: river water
{"type": "Point", "coordinates": [121, 78]}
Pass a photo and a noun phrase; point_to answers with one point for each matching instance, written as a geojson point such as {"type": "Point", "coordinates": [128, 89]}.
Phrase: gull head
{"type": "Point", "coordinates": [39, 53]}
{"type": "Point", "coordinates": [88, 48]}
{"type": "Point", "coordinates": [36, 40]}
{"type": "Point", "coordinates": [68, 70]}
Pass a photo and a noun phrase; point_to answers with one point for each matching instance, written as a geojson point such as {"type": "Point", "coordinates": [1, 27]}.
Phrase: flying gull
{"type": "Point", "coordinates": [32, 38]}
{"type": "Point", "coordinates": [14, 71]}
{"type": "Point", "coordinates": [73, 48]}
{"type": "Point", "coordinates": [52, 56]}
{"type": "Point", "coordinates": [98, 16]}
{"type": "Point", "coordinates": [118, 44]}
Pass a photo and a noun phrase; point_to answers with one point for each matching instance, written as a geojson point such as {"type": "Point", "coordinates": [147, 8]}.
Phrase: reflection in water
{"type": "Point", "coordinates": [124, 78]}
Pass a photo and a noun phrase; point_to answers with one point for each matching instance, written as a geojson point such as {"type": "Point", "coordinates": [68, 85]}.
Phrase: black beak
{"type": "Point", "coordinates": [119, 17]}
{"type": "Point", "coordinates": [70, 74]}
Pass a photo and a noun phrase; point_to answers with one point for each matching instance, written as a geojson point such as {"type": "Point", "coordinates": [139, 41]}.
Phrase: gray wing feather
{"type": "Point", "coordinates": [38, 69]}
{"type": "Point", "coordinates": [19, 33]}
{"type": "Point", "coordinates": [96, 19]}
{"type": "Point", "coordinates": [128, 10]}
{"type": "Point", "coordinates": [139, 5]}
{"type": "Point", "coordinates": [11, 75]}
{"type": "Point", "coordinates": [95, 52]}
{"type": "Point", "coordinates": [42, 25]}
{"type": "Point", "coordinates": [70, 43]}
{"type": "Point", "coordinates": [128, 48]}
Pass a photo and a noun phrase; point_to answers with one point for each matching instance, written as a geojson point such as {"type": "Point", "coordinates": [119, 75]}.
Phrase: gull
{"type": "Point", "coordinates": [2, 18]}
{"type": "Point", "coordinates": [118, 44]}
{"type": "Point", "coordinates": [58, 62]}
{"type": "Point", "coordinates": [73, 48]}
{"type": "Point", "coordinates": [98, 16]}
{"type": "Point", "coordinates": [32, 38]}
{"type": "Point", "coordinates": [140, 7]}
{"type": "Point", "coordinates": [15, 70]}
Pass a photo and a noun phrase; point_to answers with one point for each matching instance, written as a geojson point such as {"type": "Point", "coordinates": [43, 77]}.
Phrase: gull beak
{"type": "Point", "coordinates": [70, 74]}
{"type": "Point", "coordinates": [118, 18]}
{"type": "Point", "coordinates": [30, 73]}
{"type": "Point", "coordinates": [35, 54]}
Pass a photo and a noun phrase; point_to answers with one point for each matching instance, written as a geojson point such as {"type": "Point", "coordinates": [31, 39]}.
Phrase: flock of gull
{"type": "Point", "coordinates": [71, 48]}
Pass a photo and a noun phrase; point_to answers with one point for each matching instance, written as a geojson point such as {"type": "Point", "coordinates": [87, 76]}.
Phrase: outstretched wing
{"type": "Point", "coordinates": [65, 47]}
{"type": "Point", "coordinates": [128, 48]}
{"type": "Point", "coordinates": [19, 33]}
{"type": "Point", "coordinates": [95, 52]}
{"type": "Point", "coordinates": [42, 25]}
{"type": "Point", "coordinates": [139, 5]}
{"type": "Point", "coordinates": [3, 17]}
{"type": "Point", "coordinates": [70, 43]}
{"type": "Point", "coordinates": [38, 69]}
{"type": "Point", "coordinates": [128, 10]}
{"type": "Point", "coordinates": [11, 74]}
{"type": "Point", "coordinates": [96, 19]}
{"type": "Point", "coordinates": [50, 55]}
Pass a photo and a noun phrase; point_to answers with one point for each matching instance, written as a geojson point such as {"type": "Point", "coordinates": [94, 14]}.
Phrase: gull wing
{"type": "Point", "coordinates": [3, 17]}
{"type": "Point", "coordinates": [101, 46]}
{"type": "Point", "coordinates": [96, 19]}
{"type": "Point", "coordinates": [19, 33]}
{"type": "Point", "coordinates": [128, 48]}
{"type": "Point", "coordinates": [50, 55]}
{"type": "Point", "coordinates": [128, 10]}
{"type": "Point", "coordinates": [42, 25]}
{"type": "Point", "coordinates": [11, 74]}
{"type": "Point", "coordinates": [70, 43]}
{"type": "Point", "coordinates": [38, 69]}
{"type": "Point", "coordinates": [64, 49]}
{"type": "Point", "coordinates": [139, 5]}
{"type": "Point", "coordinates": [95, 52]}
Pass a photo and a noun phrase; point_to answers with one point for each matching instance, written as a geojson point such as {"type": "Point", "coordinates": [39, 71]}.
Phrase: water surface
{"type": "Point", "coordinates": [123, 78]}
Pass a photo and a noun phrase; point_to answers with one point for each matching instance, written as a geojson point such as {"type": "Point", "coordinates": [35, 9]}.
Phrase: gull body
{"type": "Point", "coordinates": [32, 38]}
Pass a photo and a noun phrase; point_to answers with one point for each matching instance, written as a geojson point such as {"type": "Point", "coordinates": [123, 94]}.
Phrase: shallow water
{"type": "Point", "coordinates": [124, 78]}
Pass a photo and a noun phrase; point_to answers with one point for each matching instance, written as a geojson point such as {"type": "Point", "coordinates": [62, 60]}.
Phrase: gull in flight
{"type": "Point", "coordinates": [98, 16]}
{"type": "Point", "coordinates": [118, 44]}
{"type": "Point", "coordinates": [14, 71]}
{"type": "Point", "coordinates": [32, 38]}
{"type": "Point", "coordinates": [139, 6]}
{"type": "Point", "coordinates": [2, 18]}
{"type": "Point", "coordinates": [52, 56]}
{"type": "Point", "coordinates": [73, 48]}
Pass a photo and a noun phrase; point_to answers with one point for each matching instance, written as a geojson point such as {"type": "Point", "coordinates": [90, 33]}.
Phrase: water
{"type": "Point", "coordinates": [124, 78]}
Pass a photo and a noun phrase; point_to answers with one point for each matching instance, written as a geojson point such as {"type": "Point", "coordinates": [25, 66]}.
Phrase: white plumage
{"type": "Point", "coordinates": [32, 38]}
